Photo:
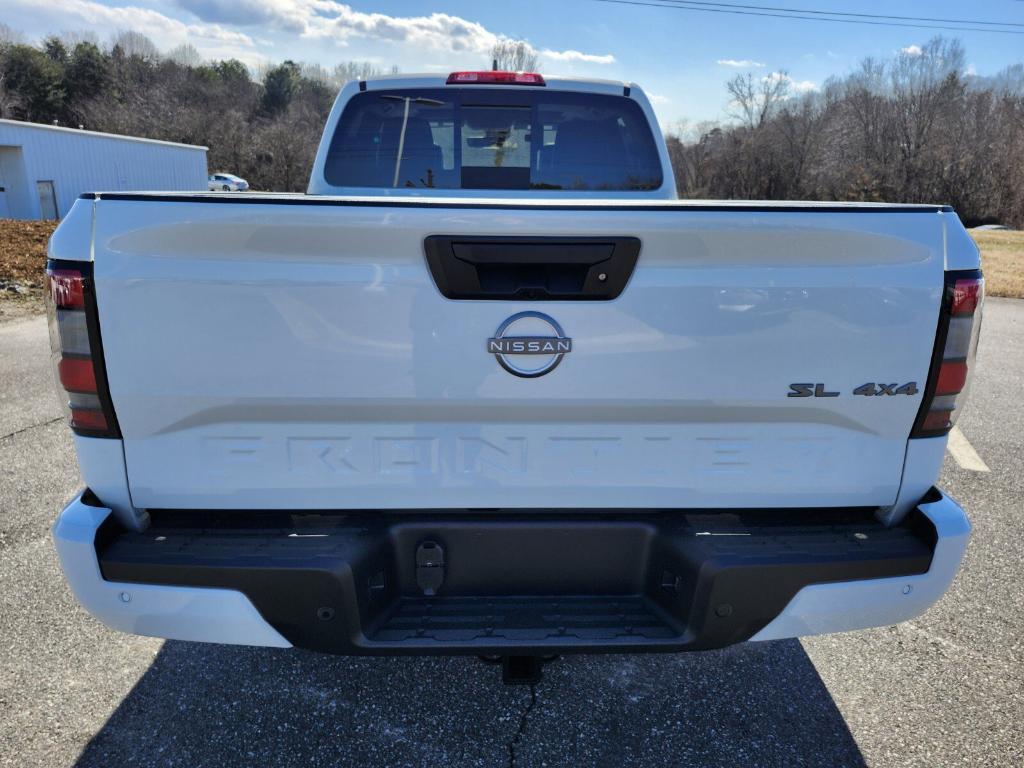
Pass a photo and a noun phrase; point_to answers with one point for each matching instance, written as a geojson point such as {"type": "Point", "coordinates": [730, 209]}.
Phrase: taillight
{"type": "Point", "coordinates": [75, 349]}
{"type": "Point", "coordinates": [488, 77]}
{"type": "Point", "coordinates": [956, 345]}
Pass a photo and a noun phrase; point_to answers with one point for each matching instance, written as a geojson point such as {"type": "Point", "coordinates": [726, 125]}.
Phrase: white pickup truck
{"type": "Point", "coordinates": [490, 388]}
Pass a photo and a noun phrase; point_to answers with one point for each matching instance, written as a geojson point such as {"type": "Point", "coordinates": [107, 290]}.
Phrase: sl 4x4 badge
{"type": "Point", "coordinates": [871, 389]}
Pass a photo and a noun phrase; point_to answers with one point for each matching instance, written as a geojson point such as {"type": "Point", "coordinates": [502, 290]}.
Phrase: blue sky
{"type": "Point", "coordinates": [682, 58]}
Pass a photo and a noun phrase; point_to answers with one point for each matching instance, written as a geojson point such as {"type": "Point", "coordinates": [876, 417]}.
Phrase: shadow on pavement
{"type": "Point", "coordinates": [205, 705]}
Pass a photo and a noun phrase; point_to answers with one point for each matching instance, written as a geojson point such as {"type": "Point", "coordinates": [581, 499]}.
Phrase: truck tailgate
{"type": "Point", "coordinates": [295, 353]}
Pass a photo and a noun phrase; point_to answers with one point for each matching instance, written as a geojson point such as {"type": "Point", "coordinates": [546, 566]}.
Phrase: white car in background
{"type": "Point", "coordinates": [226, 182]}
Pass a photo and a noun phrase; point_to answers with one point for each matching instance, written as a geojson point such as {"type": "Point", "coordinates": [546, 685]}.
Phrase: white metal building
{"type": "Point", "coordinates": [44, 168]}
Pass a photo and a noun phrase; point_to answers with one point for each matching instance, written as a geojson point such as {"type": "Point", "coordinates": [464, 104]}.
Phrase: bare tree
{"type": "Point", "coordinates": [355, 70]}
{"type": "Point", "coordinates": [514, 56]}
{"type": "Point", "coordinates": [185, 54]}
{"type": "Point", "coordinates": [72, 37]}
{"type": "Point", "coordinates": [799, 127]}
{"type": "Point", "coordinates": [1008, 82]}
{"type": "Point", "coordinates": [136, 44]}
{"type": "Point", "coordinates": [753, 100]}
{"type": "Point", "coordinates": [926, 83]}
{"type": "Point", "coordinates": [914, 128]}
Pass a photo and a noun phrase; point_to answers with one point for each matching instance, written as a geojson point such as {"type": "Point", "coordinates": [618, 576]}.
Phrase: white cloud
{"type": "Point", "coordinates": [438, 30]}
{"type": "Point", "coordinates": [586, 58]}
{"type": "Point", "coordinates": [796, 86]}
{"type": "Point", "coordinates": [657, 98]}
{"type": "Point", "coordinates": [739, 63]}
{"type": "Point", "coordinates": [212, 40]}
{"type": "Point", "coordinates": [971, 71]}
{"type": "Point", "coordinates": [337, 22]}
{"type": "Point", "coordinates": [912, 50]}
{"type": "Point", "coordinates": [161, 28]}
{"type": "Point", "coordinates": [227, 28]}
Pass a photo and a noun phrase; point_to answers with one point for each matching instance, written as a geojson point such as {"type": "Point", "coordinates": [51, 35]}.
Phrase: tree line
{"type": "Point", "coordinates": [263, 126]}
{"type": "Point", "coordinates": [914, 128]}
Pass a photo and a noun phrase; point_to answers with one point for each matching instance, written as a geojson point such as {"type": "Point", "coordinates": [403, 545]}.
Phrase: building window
{"type": "Point", "coordinates": [47, 200]}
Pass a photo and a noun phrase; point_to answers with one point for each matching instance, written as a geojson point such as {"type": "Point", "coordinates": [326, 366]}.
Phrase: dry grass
{"type": "Point", "coordinates": [23, 251]}
{"type": "Point", "coordinates": [1002, 260]}
{"type": "Point", "coordinates": [22, 264]}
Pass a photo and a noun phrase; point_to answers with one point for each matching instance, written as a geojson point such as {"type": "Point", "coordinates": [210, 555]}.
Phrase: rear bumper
{"type": "Point", "coordinates": [521, 583]}
{"type": "Point", "coordinates": [173, 612]}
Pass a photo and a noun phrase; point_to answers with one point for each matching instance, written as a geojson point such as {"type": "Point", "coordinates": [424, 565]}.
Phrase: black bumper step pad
{"type": "Point", "coordinates": [515, 582]}
{"type": "Point", "coordinates": [518, 620]}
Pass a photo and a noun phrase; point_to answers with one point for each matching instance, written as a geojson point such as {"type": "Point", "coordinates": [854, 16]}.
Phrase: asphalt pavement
{"type": "Point", "coordinates": [945, 689]}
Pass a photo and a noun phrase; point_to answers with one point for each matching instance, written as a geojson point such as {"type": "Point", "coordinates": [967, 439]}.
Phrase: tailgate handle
{"type": "Point", "coordinates": [531, 268]}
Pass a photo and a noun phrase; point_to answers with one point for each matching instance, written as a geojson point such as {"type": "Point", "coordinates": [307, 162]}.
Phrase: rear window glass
{"type": "Point", "coordinates": [492, 139]}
